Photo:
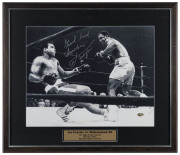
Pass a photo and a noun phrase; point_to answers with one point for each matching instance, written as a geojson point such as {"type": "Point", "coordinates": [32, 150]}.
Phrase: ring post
{"type": "Point", "coordinates": [142, 81]}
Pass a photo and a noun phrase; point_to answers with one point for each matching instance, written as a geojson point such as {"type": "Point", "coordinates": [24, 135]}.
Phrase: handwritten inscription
{"type": "Point", "coordinates": [69, 43]}
{"type": "Point", "coordinates": [78, 47]}
{"type": "Point", "coordinates": [82, 36]}
{"type": "Point", "coordinates": [81, 55]}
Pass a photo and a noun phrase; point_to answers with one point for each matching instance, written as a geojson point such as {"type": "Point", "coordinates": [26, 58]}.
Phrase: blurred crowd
{"type": "Point", "coordinates": [31, 102]}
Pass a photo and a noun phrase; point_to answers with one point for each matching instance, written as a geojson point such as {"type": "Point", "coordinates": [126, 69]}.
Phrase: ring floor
{"type": "Point", "coordinates": [127, 117]}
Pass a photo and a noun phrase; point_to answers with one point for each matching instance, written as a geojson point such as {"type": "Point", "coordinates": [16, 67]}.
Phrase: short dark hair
{"type": "Point", "coordinates": [45, 45]}
{"type": "Point", "coordinates": [104, 33]}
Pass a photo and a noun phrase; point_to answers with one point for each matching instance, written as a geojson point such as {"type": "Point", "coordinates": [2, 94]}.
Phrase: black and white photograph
{"type": "Point", "coordinates": [90, 76]}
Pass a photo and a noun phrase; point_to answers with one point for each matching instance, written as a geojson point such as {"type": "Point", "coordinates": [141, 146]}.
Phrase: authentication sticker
{"type": "Point", "coordinates": [90, 135]}
{"type": "Point", "coordinates": [140, 114]}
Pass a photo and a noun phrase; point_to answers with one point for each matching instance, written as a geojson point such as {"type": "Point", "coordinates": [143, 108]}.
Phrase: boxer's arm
{"type": "Point", "coordinates": [110, 46]}
{"type": "Point", "coordinates": [66, 74]}
{"type": "Point", "coordinates": [35, 68]}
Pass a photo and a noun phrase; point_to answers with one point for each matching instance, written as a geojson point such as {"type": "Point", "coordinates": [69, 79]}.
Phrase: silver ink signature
{"type": "Point", "coordinates": [77, 47]}
{"type": "Point", "coordinates": [68, 43]}
{"type": "Point", "coordinates": [71, 52]}
{"type": "Point", "coordinates": [82, 55]}
{"type": "Point", "coordinates": [84, 36]}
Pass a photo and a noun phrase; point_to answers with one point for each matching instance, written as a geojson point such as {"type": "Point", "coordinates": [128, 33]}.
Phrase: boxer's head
{"type": "Point", "coordinates": [49, 49]}
{"type": "Point", "coordinates": [103, 36]}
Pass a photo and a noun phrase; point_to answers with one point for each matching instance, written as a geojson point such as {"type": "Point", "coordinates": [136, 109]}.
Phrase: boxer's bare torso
{"type": "Point", "coordinates": [42, 66]}
{"type": "Point", "coordinates": [119, 50]}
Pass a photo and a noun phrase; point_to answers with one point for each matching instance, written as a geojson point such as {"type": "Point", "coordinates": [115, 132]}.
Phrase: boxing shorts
{"type": "Point", "coordinates": [123, 70]}
{"type": "Point", "coordinates": [60, 87]}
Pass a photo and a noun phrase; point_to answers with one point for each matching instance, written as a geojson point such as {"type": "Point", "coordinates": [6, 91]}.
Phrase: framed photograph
{"type": "Point", "coordinates": [89, 77]}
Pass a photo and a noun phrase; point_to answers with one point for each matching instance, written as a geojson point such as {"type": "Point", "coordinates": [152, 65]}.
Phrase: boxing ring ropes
{"type": "Point", "coordinates": [109, 100]}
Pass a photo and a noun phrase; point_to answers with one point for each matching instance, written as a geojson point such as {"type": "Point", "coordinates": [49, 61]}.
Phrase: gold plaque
{"type": "Point", "coordinates": [90, 135]}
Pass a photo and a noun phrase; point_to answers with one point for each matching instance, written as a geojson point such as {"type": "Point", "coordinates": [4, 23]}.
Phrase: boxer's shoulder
{"type": "Point", "coordinates": [111, 40]}
{"type": "Point", "coordinates": [54, 59]}
{"type": "Point", "coordinates": [38, 59]}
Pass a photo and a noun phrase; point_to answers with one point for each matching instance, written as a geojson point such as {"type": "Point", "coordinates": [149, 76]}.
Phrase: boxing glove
{"type": "Point", "coordinates": [98, 58]}
{"type": "Point", "coordinates": [83, 68]}
{"type": "Point", "coordinates": [109, 59]}
{"type": "Point", "coordinates": [50, 78]}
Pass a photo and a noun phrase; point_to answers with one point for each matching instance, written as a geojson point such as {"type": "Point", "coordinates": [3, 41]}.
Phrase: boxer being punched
{"type": "Point", "coordinates": [47, 70]}
{"type": "Point", "coordinates": [124, 70]}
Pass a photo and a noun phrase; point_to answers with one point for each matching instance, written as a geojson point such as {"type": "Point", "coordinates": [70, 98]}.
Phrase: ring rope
{"type": "Point", "coordinates": [93, 59]}
{"type": "Point", "coordinates": [137, 101]}
{"type": "Point", "coordinates": [100, 72]}
{"type": "Point", "coordinates": [144, 67]}
{"type": "Point", "coordinates": [103, 85]}
{"type": "Point", "coordinates": [142, 77]}
{"type": "Point", "coordinates": [53, 36]}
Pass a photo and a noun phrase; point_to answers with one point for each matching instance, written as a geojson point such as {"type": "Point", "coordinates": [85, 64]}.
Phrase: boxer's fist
{"type": "Point", "coordinates": [98, 58]}
{"type": "Point", "coordinates": [50, 78]}
{"type": "Point", "coordinates": [83, 68]}
{"type": "Point", "coordinates": [109, 60]}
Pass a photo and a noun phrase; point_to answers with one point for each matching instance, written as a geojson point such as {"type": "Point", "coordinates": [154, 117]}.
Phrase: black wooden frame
{"type": "Point", "coordinates": [6, 77]}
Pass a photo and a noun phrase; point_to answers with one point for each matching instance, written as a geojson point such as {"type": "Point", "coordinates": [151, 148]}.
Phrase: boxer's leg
{"type": "Point", "coordinates": [53, 90]}
{"type": "Point", "coordinates": [113, 84]}
{"type": "Point", "coordinates": [108, 114]}
{"type": "Point", "coordinates": [90, 107]}
{"type": "Point", "coordinates": [113, 109]}
{"type": "Point", "coordinates": [63, 112]}
{"type": "Point", "coordinates": [75, 89]}
{"type": "Point", "coordinates": [116, 78]}
{"type": "Point", "coordinates": [126, 86]}
{"type": "Point", "coordinates": [128, 92]}
{"type": "Point", "coordinates": [85, 90]}
{"type": "Point", "coordinates": [80, 89]}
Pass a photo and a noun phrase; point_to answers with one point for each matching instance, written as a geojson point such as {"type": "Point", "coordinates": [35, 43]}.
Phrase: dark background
{"type": "Point", "coordinates": [138, 40]}
{"type": "Point", "coordinates": [19, 19]}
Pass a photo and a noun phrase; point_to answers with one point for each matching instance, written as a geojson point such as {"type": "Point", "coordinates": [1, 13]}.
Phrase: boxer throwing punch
{"type": "Point", "coordinates": [47, 70]}
{"type": "Point", "coordinates": [124, 70]}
